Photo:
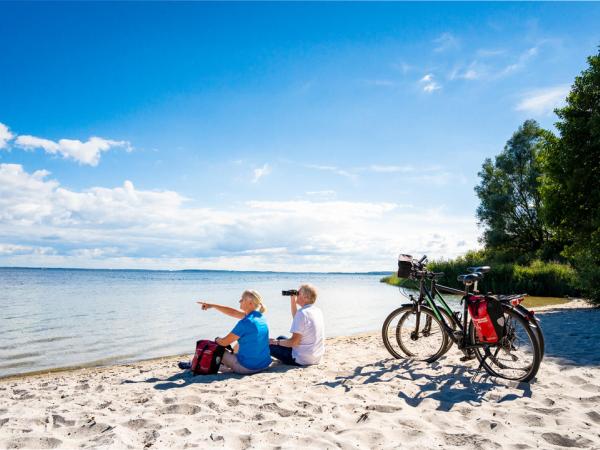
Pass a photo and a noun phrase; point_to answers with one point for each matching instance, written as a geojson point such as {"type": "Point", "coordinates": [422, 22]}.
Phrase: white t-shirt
{"type": "Point", "coordinates": [308, 322]}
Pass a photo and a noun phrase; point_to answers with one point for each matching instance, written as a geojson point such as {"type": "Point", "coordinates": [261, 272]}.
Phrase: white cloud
{"type": "Point", "coordinates": [83, 152]}
{"type": "Point", "coordinates": [10, 249]}
{"type": "Point", "coordinates": [322, 195]}
{"type": "Point", "coordinates": [445, 42]}
{"type": "Point", "coordinates": [544, 101]}
{"type": "Point", "coordinates": [428, 84]}
{"type": "Point", "coordinates": [332, 169]}
{"type": "Point", "coordinates": [5, 135]}
{"type": "Point", "coordinates": [261, 172]}
{"type": "Point", "coordinates": [127, 227]}
{"type": "Point", "coordinates": [521, 62]}
{"type": "Point", "coordinates": [391, 169]}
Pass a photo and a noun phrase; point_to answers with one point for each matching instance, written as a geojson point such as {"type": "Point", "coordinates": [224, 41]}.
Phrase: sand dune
{"type": "Point", "coordinates": [358, 398]}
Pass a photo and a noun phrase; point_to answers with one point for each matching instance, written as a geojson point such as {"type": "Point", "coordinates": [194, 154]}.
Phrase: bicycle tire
{"type": "Point", "coordinates": [519, 344]}
{"type": "Point", "coordinates": [433, 340]}
{"type": "Point", "coordinates": [537, 328]}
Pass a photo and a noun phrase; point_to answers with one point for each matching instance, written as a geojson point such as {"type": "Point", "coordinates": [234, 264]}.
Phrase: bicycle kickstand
{"type": "Point", "coordinates": [487, 353]}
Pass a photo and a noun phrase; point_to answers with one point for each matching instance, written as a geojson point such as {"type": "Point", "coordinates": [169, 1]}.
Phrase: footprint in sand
{"type": "Point", "coordinates": [34, 442]}
{"type": "Point", "coordinates": [594, 416]}
{"type": "Point", "coordinates": [462, 440]}
{"type": "Point", "coordinates": [182, 432]}
{"type": "Point", "coordinates": [212, 405]}
{"type": "Point", "coordinates": [532, 420]}
{"type": "Point", "coordinates": [272, 407]}
{"type": "Point", "coordinates": [487, 425]}
{"type": "Point", "coordinates": [181, 409]}
{"type": "Point", "coordinates": [232, 401]}
{"type": "Point", "coordinates": [91, 430]}
{"type": "Point", "coordinates": [137, 424]}
{"type": "Point", "coordinates": [60, 421]}
{"type": "Point", "coordinates": [383, 408]}
{"type": "Point", "coordinates": [150, 438]}
{"type": "Point", "coordinates": [563, 441]}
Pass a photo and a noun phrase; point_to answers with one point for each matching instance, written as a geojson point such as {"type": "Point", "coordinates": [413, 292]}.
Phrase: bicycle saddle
{"type": "Point", "coordinates": [470, 278]}
{"type": "Point", "coordinates": [480, 269]}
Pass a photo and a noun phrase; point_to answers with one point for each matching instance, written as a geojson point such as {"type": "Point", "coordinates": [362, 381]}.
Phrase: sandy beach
{"type": "Point", "coordinates": [358, 398]}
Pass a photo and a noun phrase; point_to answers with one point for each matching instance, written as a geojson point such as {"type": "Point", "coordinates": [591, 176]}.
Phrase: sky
{"type": "Point", "coordinates": [266, 136]}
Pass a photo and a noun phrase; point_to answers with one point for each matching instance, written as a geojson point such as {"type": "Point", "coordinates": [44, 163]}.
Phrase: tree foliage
{"type": "Point", "coordinates": [571, 177]}
{"type": "Point", "coordinates": [510, 196]}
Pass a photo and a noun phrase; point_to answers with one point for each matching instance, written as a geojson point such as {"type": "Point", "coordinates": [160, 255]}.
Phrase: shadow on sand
{"type": "Point", "coordinates": [461, 385]}
{"type": "Point", "coordinates": [185, 378]}
{"type": "Point", "coordinates": [572, 335]}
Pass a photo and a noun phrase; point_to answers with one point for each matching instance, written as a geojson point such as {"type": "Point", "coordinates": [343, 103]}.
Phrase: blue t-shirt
{"type": "Point", "coordinates": [253, 340]}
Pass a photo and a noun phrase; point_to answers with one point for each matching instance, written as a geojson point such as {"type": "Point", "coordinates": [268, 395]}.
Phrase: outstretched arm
{"type": "Point", "coordinates": [237, 313]}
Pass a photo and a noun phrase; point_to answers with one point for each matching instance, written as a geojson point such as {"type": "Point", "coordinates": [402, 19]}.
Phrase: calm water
{"type": "Point", "coordinates": [59, 317]}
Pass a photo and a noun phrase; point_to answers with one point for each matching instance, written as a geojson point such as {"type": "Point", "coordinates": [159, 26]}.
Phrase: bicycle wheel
{"type": "Point", "coordinates": [404, 339]}
{"type": "Point", "coordinates": [517, 356]}
{"type": "Point", "coordinates": [536, 327]}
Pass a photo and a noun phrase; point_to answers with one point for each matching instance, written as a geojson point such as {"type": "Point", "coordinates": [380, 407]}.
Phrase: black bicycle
{"type": "Point", "coordinates": [426, 328]}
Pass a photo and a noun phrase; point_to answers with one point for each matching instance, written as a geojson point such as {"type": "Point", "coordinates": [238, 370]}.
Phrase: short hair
{"type": "Point", "coordinates": [310, 292]}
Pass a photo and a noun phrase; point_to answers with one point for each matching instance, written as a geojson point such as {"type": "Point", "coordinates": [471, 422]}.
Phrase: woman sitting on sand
{"type": "Point", "coordinates": [251, 334]}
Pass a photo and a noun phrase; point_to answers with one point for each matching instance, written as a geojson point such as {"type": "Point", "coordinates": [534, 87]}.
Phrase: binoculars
{"type": "Point", "coordinates": [290, 292]}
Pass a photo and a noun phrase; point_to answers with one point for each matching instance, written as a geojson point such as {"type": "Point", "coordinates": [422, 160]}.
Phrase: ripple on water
{"type": "Point", "coordinates": [21, 356]}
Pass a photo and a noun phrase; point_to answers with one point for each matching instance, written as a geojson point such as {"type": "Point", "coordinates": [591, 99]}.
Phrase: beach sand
{"type": "Point", "coordinates": [359, 397]}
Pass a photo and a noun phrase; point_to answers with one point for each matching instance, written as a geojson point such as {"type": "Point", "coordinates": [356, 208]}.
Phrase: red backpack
{"type": "Point", "coordinates": [487, 316]}
{"type": "Point", "coordinates": [207, 358]}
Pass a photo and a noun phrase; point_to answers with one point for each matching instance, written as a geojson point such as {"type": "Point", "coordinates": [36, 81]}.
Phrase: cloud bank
{"type": "Point", "coordinates": [45, 224]}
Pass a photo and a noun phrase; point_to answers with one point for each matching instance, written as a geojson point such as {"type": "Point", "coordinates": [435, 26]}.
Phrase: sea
{"type": "Point", "coordinates": [57, 318]}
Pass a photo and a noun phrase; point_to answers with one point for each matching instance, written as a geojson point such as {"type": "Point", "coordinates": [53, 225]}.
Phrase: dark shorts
{"type": "Point", "coordinates": [283, 354]}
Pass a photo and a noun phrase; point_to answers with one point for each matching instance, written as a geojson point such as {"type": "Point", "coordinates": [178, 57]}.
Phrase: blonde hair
{"type": "Point", "coordinates": [310, 292]}
{"type": "Point", "coordinates": [256, 299]}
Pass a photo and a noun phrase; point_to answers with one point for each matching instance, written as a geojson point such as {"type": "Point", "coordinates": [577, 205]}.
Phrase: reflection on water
{"type": "Point", "coordinates": [57, 317]}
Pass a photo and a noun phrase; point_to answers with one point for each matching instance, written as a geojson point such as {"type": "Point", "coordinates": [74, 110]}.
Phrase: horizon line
{"type": "Point", "coordinates": [371, 272]}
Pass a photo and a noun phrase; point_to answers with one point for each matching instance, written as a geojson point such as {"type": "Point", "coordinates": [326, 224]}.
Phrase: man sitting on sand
{"type": "Point", "coordinates": [307, 344]}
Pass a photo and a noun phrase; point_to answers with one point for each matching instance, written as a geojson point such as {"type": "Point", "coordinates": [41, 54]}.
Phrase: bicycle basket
{"type": "Point", "coordinates": [405, 265]}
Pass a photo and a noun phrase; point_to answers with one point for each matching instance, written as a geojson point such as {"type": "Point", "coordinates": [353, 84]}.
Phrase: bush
{"type": "Point", "coordinates": [588, 271]}
{"type": "Point", "coordinates": [538, 278]}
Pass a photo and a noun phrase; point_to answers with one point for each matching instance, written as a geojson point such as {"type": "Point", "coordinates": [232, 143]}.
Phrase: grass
{"type": "Point", "coordinates": [532, 302]}
{"type": "Point", "coordinates": [529, 302]}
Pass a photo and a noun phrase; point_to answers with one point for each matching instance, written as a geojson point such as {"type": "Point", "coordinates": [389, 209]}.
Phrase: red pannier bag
{"type": "Point", "coordinates": [487, 316]}
{"type": "Point", "coordinates": [207, 358]}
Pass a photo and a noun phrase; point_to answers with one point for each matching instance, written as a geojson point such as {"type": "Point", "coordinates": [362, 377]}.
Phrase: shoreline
{"type": "Point", "coordinates": [571, 304]}
{"type": "Point", "coordinates": [358, 397]}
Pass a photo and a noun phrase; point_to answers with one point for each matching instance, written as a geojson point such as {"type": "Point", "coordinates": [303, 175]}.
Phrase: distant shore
{"type": "Point", "coordinates": [530, 301]}
{"type": "Point", "coordinates": [379, 272]}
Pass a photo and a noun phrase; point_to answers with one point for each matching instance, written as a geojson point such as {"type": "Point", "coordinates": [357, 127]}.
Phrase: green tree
{"type": "Point", "coordinates": [510, 197]}
{"type": "Point", "coordinates": [571, 180]}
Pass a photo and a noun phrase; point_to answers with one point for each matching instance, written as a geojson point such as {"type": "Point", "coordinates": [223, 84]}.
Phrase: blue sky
{"type": "Point", "coordinates": [280, 136]}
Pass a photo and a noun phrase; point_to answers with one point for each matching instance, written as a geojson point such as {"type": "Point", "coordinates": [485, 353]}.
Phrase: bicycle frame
{"type": "Point", "coordinates": [429, 296]}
